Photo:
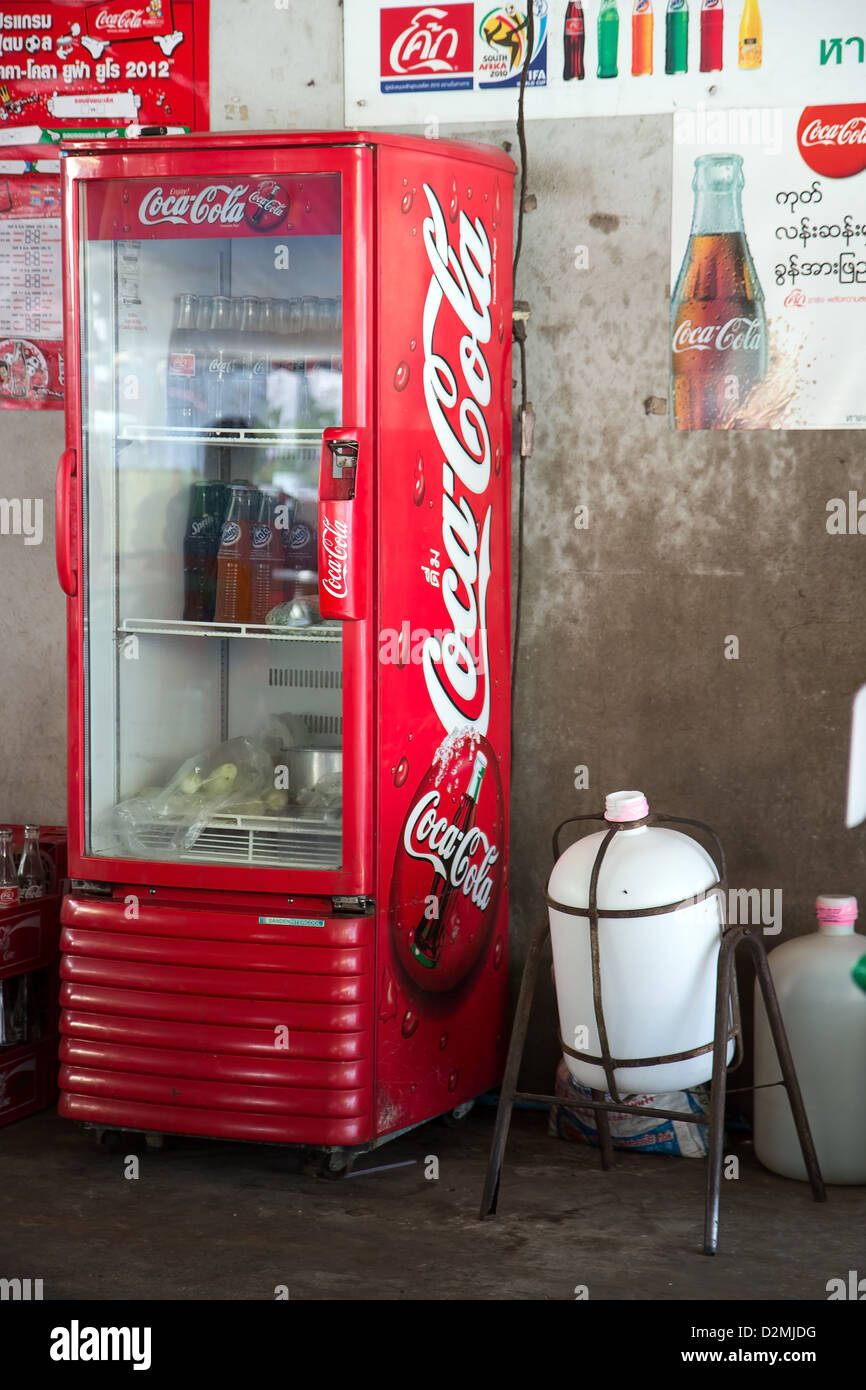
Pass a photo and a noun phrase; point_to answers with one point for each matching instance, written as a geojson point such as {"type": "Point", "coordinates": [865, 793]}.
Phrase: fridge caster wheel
{"type": "Point", "coordinates": [111, 1140]}
{"type": "Point", "coordinates": [457, 1117]}
{"type": "Point", "coordinates": [337, 1164]}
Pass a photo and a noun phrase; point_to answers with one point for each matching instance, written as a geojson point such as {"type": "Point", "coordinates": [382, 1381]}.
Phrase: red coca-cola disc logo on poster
{"type": "Point", "coordinates": [448, 869]}
{"type": "Point", "coordinates": [267, 206]}
{"type": "Point", "coordinates": [23, 369]}
{"type": "Point", "coordinates": [832, 140]}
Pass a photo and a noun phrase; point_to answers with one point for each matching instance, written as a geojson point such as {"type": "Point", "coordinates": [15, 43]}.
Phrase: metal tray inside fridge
{"type": "Point", "coordinates": [308, 842]}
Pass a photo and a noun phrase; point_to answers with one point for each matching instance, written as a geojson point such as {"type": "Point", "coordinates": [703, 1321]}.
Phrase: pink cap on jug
{"type": "Point", "coordinates": [833, 911]}
{"type": "Point", "coordinates": [625, 806]}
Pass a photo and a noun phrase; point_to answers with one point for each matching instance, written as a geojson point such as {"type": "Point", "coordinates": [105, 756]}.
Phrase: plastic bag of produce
{"type": "Point", "coordinates": [238, 772]}
{"type": "Point", "coordinates": [647, 1134]}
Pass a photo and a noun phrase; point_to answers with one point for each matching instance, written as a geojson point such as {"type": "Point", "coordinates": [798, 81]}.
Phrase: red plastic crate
{"type": "Point", "coordinates": [28, 1079]}
{"type": "Point", "coordinates": [30, 936]}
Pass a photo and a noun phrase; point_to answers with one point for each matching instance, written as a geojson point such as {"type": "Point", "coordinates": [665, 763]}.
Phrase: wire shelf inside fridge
{"type": "Point", "coordinates": [176, 627]}
{"type": "Point", "coordinates": [235, 436]}
{"type": "Point", "coordinates": [301, 842]}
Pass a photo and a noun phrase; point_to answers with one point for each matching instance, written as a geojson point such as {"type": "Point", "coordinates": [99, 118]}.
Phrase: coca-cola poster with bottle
{"type": "Point", "coordinates": [110, 63]}
{"type": "Point", "coordinates": [31, 294]}
{"type": "Point", "coordinates": [768, 269]}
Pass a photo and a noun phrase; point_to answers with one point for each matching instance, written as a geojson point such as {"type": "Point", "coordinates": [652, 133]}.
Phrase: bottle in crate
{"type": "Point", "coordinates": [8, 876]}
{"type": "Point", "coordinates": [31, 870]}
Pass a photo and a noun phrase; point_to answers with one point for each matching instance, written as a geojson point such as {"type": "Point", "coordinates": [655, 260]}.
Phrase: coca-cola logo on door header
{"type": "Point", "coordinates": [262, 208]}
{"type": "Point", "coordinates": [832, 140]}
{"type": "Point", "coordinates": [448, 869]}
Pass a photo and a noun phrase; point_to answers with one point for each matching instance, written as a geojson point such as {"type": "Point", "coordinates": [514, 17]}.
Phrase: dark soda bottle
{"type": "Point", "coordinates": [200, 546]}
{"type": "Point", "coordinates": [574, 42]}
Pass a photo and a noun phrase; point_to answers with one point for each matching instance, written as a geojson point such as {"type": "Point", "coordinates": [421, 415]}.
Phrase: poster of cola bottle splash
{"type": "Point", "coordinates": [768, 269]}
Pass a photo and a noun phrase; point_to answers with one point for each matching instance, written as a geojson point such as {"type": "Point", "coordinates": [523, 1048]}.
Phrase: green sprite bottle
{"type": "Point", "coordinates": [608, 38]}
{"type": "Point", "coordinates": [677, 36]}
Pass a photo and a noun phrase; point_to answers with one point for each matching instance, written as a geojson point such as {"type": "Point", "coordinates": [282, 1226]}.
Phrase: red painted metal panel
{"type": "Point", "coordinates": [232, 984]}
{"type": "Point", "coordinates": [223, 1037]}
{"type": "Point", "coordinates": [443, 244]}
{"type": "Point", "coordinates": [221, 955]}
{"type": "Point", "coordinates": [207, 1095]}
{"type": "Point", "coordinates": [316, 1131]}
{"type": "Point", "coordinates": [222, 917]}
{"type": "Point", "coordinates": [245, 1012]}
{"type": "Point", "coordinates": [276, 1070]}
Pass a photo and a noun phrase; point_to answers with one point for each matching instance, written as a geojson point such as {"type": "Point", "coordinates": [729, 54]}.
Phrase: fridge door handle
{"type": "Point", "coordinates": [64, 523]}
{"type": "Point", "coordinates": [345, 449]}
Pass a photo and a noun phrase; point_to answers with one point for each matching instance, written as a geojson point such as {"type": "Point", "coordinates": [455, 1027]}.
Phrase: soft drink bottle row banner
{"type": "Point", "coordinates": [594, 57]}
{"type": "Point", "coordinates": [768, 313]}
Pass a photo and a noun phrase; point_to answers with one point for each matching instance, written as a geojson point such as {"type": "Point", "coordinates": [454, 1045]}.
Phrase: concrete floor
{"type": "Point", "coordinates": [230, 1221]}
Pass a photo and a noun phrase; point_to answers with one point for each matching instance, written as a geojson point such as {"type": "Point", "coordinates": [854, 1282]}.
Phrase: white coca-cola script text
{"type": "Point", "coordinates": [463, 277]}
{"type": "Point", "coordinates": [738, 334]}
{"type": "Point", "coordinates": [335, 544]}
{"type": "Point", "coordinates": [218, 203]}
{"type": "Point", "coordinates": [852, 132]}
{"type": "Point", "coordinates": [437, 840]}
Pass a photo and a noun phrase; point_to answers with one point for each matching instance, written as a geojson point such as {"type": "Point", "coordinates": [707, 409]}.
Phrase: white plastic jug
{"type": "Point", "coordinates": [824, 1013]}
{"type": "Point", "coordinates": [658, 973]}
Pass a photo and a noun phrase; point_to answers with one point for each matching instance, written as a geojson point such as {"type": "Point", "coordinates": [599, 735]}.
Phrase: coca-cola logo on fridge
{"type": "Point", "coordinates": [448, 869]}
{"type": "Point", "coordinates": [832, 140]}
{"type": "Point", "coordinates": [335, 546]}
{"type": "Point", "coordinates": [456, 327]}
{"type": "Point", "coordinates": [217, 203]}
{"type": "Point", "coordinates": [267, 206]}
{"type": "Point", "coordinates": [115, 21]}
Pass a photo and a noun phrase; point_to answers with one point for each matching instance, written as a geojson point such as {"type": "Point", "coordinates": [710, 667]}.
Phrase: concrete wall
{"type": "Point", "coordinates": [691, 538]}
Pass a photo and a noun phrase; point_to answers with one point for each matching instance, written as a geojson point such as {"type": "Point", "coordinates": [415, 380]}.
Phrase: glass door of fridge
{"type": "Point", "coordinates": [211, 362]}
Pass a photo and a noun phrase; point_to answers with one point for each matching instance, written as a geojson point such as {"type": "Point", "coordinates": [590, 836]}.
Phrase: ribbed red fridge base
{"type": "Point", "coordinates": [222, 1036]}
{"type": "Point", "coordinates": [314, 1131]}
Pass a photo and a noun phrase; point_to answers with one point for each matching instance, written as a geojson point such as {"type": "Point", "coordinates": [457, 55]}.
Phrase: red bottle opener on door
{"type": "Point", "coordinates": [340, 567]}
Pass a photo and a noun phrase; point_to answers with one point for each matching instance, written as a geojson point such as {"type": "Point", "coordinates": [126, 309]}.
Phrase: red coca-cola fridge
{"type": "Point", "coordinates": [283, 528]}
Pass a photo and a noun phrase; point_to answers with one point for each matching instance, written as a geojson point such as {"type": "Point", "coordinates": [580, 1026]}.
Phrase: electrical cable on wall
{"type": "Point", "coordinates": [521, 314]}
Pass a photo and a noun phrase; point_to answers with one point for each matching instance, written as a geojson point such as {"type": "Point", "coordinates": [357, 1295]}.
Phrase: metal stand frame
{"type": "Point", "coordinates": [727, 1011]}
